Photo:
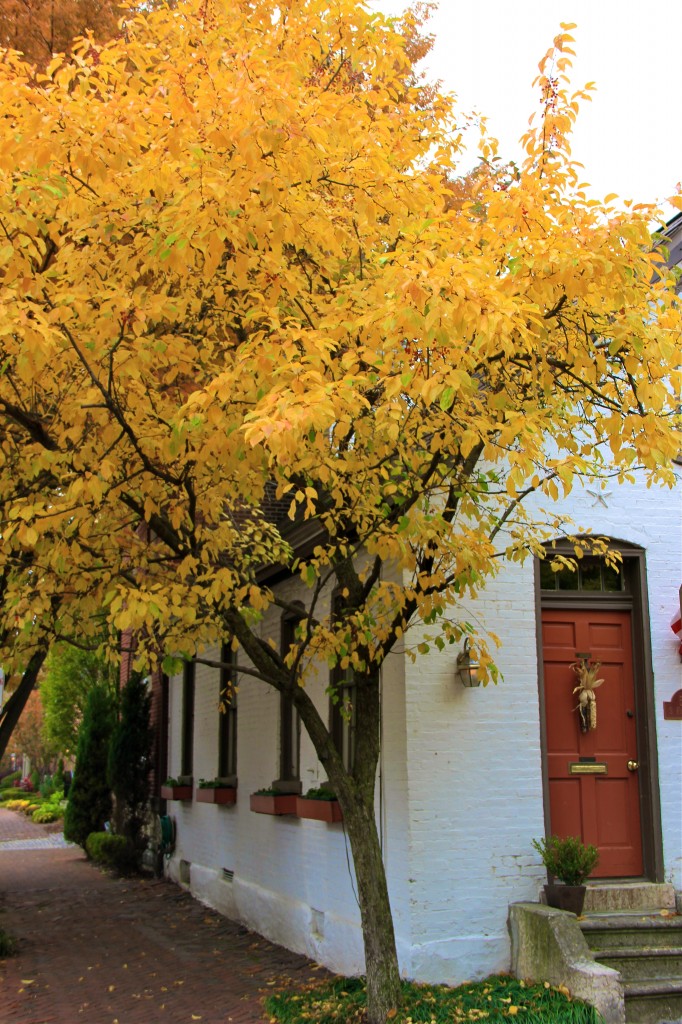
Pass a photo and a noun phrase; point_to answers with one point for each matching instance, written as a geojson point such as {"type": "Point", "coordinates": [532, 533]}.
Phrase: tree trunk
{"type": "Point", "coordinates": [355, 792]}
{"type": "Point", "coordinates": [381, 959]}
{"type": "Point", "coordinates": [15, 704]}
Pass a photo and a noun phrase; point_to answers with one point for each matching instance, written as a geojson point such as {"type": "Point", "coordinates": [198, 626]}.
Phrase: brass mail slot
{"type": "Point", "coordinates": [587, 768]}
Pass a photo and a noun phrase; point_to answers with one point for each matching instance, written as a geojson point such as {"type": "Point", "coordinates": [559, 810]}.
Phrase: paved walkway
{"type": "Point", "coordinates": [100, 950]}
{"type": "Point", "coordinates": [15, 827]}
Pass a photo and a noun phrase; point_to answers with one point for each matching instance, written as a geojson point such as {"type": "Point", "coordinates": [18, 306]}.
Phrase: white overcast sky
{"type": "Point", "coordinates": [629, 138]}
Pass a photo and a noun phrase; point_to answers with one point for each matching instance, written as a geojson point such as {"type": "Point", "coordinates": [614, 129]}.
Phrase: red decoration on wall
{"type": "Point", "coordinates": [672, 709]}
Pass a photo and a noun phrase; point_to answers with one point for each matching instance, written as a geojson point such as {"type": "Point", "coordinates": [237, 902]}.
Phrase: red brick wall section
{"type": "Point", "coordinates": [127, 651]}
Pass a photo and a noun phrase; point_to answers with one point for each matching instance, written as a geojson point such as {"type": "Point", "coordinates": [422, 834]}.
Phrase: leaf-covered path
{"type": "Point", "coordinates": [122, 951]}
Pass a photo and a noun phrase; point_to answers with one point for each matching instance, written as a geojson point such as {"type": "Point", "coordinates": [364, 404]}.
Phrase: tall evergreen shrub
{"type": "Point", "coordinates": [89, 803]}
{"type": "Point", "coordinates": [130, 761]}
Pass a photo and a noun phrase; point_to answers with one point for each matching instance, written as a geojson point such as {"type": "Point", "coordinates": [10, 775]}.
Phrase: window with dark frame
{"type": "Point", "coordinates": [227, 716]}
{"type": "Point", "coordinates": [290, 725]}
{"type": "Point", "coordinates": [342, 707]}
{"type": "Point", "coordinates": [188, 688]}
{"type": "Point", "coordinates": [342, 715]}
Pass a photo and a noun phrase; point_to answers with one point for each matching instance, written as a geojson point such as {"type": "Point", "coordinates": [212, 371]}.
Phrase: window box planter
{"type": "Point", "coordinates": [225, 795]}
{"type": "Point", "coordinates": [279, 803]}
{"type": "Point", "coordinates": [318, 810]}
{"type": "Point", "coordinates": [176, 792]}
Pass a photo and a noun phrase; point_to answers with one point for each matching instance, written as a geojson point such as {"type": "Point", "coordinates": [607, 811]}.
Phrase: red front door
{"type": "Point", "coordinates": [603, 809]}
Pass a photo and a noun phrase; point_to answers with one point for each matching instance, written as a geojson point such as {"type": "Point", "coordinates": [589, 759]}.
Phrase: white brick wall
{"type": "Point", "coordinates": [475, 792]}
{"type": "Point", "coordinates": [459, 792]}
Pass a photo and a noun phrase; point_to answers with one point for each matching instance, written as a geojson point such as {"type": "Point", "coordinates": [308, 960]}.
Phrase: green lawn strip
{"type": "Point", "coordinates": [495, 1000]}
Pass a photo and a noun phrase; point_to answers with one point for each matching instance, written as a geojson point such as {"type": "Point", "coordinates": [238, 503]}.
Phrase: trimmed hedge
{"type": "Point", "coordinates": [111, 851]}
{"type": "Point", "coordinates": [45, 814]}
{"type": "Point", "coordinates": [12, 793]}
{"type": "Point", "coordinates": [7, 781]}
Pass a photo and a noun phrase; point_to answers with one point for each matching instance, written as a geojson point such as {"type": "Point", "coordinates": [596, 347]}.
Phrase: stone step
{"type": "Point", "coordinates": [651, 1002]}
{"type": "Point", "coordinates": [642, 963]}
{"type": "Point", "coordinates": [666, 1020]}
{"type": "Point", "coordinates": [617, 931]}
{"type": "Point", "coordinates": [609, 897]}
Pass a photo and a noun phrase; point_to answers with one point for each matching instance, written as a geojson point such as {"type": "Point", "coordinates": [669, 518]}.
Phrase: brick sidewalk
{"type": "Point", "coordinates": [124, 951]}
{"type": "Point", "coordinates": [14, 825]}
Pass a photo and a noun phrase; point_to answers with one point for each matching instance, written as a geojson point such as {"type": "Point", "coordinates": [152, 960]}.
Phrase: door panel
{"type": "Point", "coordinates": [601, 809]}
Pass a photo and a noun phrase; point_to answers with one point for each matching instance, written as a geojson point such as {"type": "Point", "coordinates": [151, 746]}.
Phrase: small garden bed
{"type": "Point", "coordinates": [41, 810]}
{"type": "Point", "coordinates": [496, 1000]}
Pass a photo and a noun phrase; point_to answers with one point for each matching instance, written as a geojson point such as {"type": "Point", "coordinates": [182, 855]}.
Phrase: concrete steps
{"type": "Point", "coordinates": [633, 897]}
{"type": "Point", "coordinates": [646, 948]}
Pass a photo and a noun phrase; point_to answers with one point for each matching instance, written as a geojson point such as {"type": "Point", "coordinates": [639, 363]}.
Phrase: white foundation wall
{"type": "Point", "coordinates": [289, 879]}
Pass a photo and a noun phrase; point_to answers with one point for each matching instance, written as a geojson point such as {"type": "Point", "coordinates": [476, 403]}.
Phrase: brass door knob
{"type": "Point", "coordinates": [633, 766]}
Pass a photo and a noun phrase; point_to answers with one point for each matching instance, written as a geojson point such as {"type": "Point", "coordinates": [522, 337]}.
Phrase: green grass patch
{"type": "Point", "coordinates": [497, 1000]}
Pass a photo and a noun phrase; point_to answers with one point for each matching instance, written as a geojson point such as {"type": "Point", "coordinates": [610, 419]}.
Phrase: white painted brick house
{"type": "Point", "coordinates": [467, 776]}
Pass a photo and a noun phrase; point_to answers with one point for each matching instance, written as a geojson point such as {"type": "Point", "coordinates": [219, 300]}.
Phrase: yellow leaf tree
{"type": "Point", "coordinates": [241, 272]}
{"type": "Point", "coordinates": [41, 28]}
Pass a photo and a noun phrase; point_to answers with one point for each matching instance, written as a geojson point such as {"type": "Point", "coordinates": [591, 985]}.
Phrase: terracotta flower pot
{"type": "Point", "coordinates": [280, 803]}
{"type": "Point", "coordinates": [319, 810]}
{"type": "Point", "coordinates": [566, 897]}
{"type": "Point", "coordinates": [176, 792]}
{"type": "Point", "coordinates": [216, 795]}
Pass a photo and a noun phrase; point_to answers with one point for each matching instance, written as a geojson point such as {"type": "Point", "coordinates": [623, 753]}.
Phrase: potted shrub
{"type": "Point", "coordinates": [216, 791]}
{"type": "Point", "coordinates": [320, 805]}
{"type": "Point", "coordinates": [272, 801]}
{"type": "Point", "coordinates": [571, 862]}
{"type": "Point", "coordinates": [177, 789]}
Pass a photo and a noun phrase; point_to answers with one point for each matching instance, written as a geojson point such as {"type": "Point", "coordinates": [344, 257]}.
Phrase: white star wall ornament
{"type": "Point", "coordinates": [600, 497]}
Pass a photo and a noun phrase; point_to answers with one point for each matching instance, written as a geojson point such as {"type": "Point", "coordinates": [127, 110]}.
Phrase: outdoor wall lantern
{"type": "Point", "coordinates": [467, 669]}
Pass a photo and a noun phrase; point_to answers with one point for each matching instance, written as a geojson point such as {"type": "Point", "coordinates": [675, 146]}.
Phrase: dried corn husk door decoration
{"type": "Point", "coordinates": [587, 701]}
